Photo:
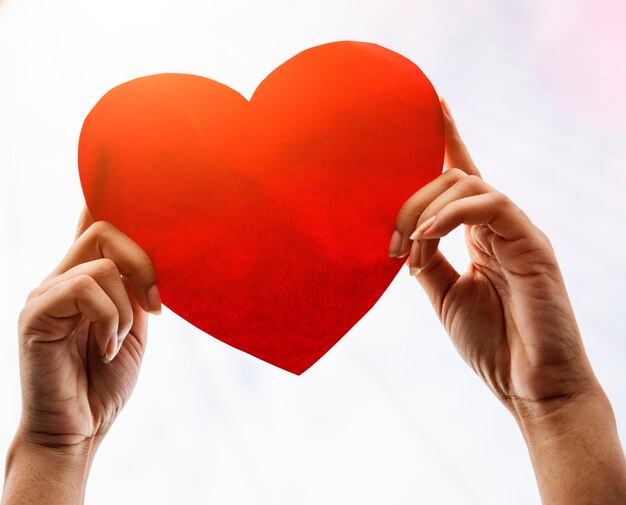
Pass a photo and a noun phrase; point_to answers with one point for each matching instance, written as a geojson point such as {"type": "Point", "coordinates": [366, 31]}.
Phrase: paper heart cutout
{"type": "Point", "coordinates": [268, 221]}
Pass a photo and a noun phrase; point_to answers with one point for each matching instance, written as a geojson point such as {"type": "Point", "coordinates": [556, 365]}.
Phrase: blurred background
{"type": "Point", "coordinates": [391, 414]}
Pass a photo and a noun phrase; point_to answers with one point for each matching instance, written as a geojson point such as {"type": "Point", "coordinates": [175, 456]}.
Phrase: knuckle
{"type": "Point", "coordinates": [474, 180]}
{"type": "Point", "coordinates": [98, 230]}
{"type": "Point", "coordinates": [100, 227]}
{"type": "Point", "coordinates": [24, 319]}
{"type": "Point", "coordinates": [404, 211]}
{"type": "Point", "coordinates": [410, 209]}
{"type": "Point", "coordinates": [471, 182]}
{"type": "Point", "coordinates": [456, 173]}
{"type": "Point", "coordinates": [82, 283]}
{"type": "Point", "coordinates": [500, 200]}
{"type": "Point", "coordinates": [407, 216]}
{"type": "Point", "coordinates": [105, 267]}
{"type": "Point", "coordinates": [143, 270]}
{"type": "Point", "coordinates": [34, 293]}
{"type": "Point", "coordinates": [542, 236]}
{"type": "Point", "coordinates": [543, 239]}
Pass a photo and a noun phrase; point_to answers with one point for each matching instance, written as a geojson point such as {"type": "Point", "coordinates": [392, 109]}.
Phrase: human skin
{"type": "Point", "coordinates": [82, 335]}
{"type": "Point", "coordinates": [509, 317]}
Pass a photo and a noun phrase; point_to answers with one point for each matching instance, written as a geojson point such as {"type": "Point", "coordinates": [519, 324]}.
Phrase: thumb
{"type": "Point", "coordinates": [84, 221]}
{"type": "Point", "coordinates": [457, 155]}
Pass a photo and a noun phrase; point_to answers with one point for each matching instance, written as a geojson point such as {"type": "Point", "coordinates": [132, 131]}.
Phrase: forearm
{"type": "Point", "coordinates": [576, 452]}
{"type": "Point", "coordinates": [46, 475]}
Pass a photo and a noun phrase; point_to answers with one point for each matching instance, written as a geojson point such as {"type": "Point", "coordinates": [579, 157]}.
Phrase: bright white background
{"type": "Point", "coordinates": [391, 414]}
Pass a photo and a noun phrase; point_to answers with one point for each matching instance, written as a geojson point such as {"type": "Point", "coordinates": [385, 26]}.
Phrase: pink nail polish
{"type": "Point", "coordinates": [445, 107]}
{"type": "Point", "coordinates": [395, 244]}
{"type": "Point", "coordinates": [423, 228]}
{"type": "Point", "coordinates": [416, 250]}
{"type": "Point", "coordinates": [154, 300]}
{"type": "Point", "coordinates": [414, 271]}
{"type": "Point", "coordinates": [111, 349]}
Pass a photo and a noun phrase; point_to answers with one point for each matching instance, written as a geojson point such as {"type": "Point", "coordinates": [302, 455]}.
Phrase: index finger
{"type": "Point", "coordinates": [410, 214]}
{"type": "Point", "coordinates": [103, 240]}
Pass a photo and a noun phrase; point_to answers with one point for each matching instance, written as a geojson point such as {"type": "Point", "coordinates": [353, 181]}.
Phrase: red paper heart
{"type": "Point", "coordinates": [268, 221]}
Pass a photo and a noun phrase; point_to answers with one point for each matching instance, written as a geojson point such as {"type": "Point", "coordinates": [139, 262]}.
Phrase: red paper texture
{"type": "Point", "coordinates": [268, 221]}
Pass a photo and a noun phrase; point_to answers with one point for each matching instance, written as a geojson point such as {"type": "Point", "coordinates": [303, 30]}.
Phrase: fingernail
{"type": "Point", "coordinates": [414, 271]}
{"type": "Point", "coordinates": [415, 258]}
{"type": "Point", "coordinates": [423, 228]}
{"type": "Point", "coordinates": [445, 107]}
{"type": "Point", "coordinates": [111, 349]}
{"type": "Point", "coordinates": [154, 300]}
{"type": "Point", "coordinates": [395, 244]}
{"type": "Point", "coordinates": [119, 346]}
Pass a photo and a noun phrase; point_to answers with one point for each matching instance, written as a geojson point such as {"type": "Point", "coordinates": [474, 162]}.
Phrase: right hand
{"type": "Point", "coordinates": [82, 336]}
{"type": "Point", "coordinates": [508, 315]}
{"type": "Point", "coordinates": [510, 318]}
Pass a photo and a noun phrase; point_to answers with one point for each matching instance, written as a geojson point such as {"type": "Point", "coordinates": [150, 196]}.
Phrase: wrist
{"type": "Point", "coordinates": [575, 449]}
{"type": "Point", "coordinates": [43, 474]}
{"type": "Point", "coordinates": [559, 416]}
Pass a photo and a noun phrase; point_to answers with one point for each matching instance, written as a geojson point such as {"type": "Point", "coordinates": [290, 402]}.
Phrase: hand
{"type": "Point", "coordinates": [82, 337]}
{"type": "Point", "coordinates": [510, 318]}
{"type": "Point", "coordinates": [509, 315]}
